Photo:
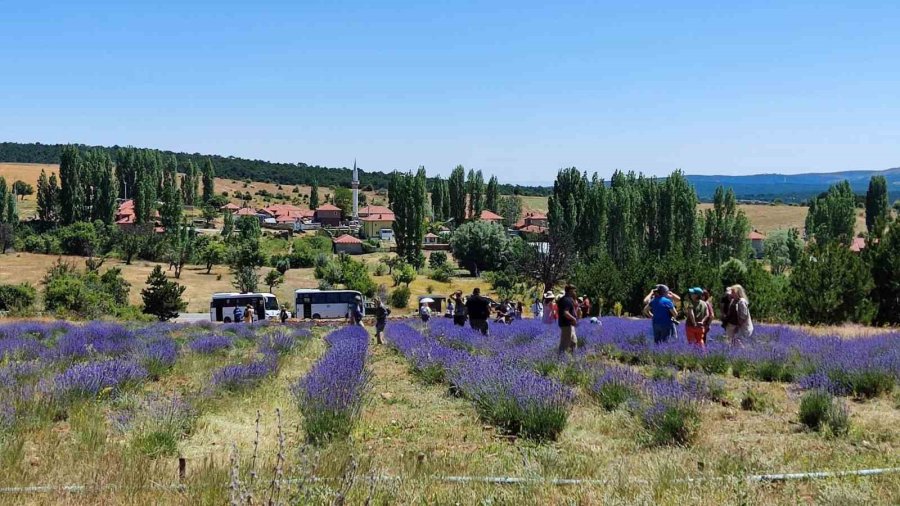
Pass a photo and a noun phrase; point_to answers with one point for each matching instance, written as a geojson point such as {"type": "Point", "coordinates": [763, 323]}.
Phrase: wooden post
{"type": "Point", "coordinates": [182, 469]}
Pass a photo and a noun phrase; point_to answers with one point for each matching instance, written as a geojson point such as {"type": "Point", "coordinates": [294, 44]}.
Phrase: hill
{"type": "Point", "coordinates": [232, 167]}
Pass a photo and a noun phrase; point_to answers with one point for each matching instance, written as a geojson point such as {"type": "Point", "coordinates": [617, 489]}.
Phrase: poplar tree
{"type": "Point", "coordinates": [491, 195]}
{"type": "Point", "coordinates": [831, 216]}
{"type": "Point", "coordinates": [171, 211]}
{"type": "Point", "coordinates": [209, 176]}
{"type": "Point", "coordinates": [409, 204]}
{"type": "Point", "coordinates": [445, 191]}
{"type": "Point", "coordinates": [876, 205]}
{"type": "Point", "coordinates": [71, 195]}
{"type": "Point", "coordinates": [189, 183]}
{"type": "Point", "coordinates": [126, 171]}
{"type": "Point", "coordinates": [314, 195]}
{"type": "Point", "coordinates": [437, 199]}
{"type": "Point", "coordinates": [475, 189]}
{"type": "Point", "coordinates": [725, 228]}
{"type": "Point", "coordinates": [104, 187]}
{"type": "Point", "coordinates": [567, 203]}
{"type": "Point", "coordinates": [456, 186]}
{"type": "Point", "coordinates": [47, 198]}
{"type": "Point", "coordinates": [3, 191]}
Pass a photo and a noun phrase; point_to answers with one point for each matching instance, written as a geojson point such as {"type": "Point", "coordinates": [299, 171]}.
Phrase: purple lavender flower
{"type": "Point", "coordinates": [207, 345]}
{"type": "Point", "coordinates": [93, 378]}
{"type": "Point", "coordinates": [238, 376]}
{"type": "Point", "coordinates": [158, 356]}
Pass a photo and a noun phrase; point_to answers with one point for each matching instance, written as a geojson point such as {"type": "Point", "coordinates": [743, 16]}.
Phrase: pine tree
{"type": "Point", "coordinates": [209, 176]}
{"type": "Point", "coordinates": [876, 205]}
{"type": "Point", "coordinates": [162, 298]}
{"type": "Point", "coordinates": [71, 195]}
{"type": "Point", "coordinates": [314, 195]}
{"type": "Point", "coordinates": [457, 189]}
{"type": "Point", "coordinates": [491, 195]}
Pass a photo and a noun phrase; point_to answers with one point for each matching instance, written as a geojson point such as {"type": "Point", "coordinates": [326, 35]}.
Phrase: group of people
{"type": "Point", "coordinates": [699, 312]}
{"type": "Point", "coordinates": [547, 308]}
{"type": "Point", "coordinates": [241, 314]}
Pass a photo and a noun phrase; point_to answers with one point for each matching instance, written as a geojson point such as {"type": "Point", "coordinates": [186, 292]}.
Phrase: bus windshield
{"type": "Point", "coordinates": [271, 303]}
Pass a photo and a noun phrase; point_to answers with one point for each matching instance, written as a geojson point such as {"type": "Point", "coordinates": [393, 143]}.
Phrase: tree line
{"type": "Point", "coordinates": [236, 168]}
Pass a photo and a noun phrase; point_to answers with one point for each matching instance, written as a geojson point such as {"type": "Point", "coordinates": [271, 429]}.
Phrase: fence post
{"type": "Point", "coordinates": [182, 469]}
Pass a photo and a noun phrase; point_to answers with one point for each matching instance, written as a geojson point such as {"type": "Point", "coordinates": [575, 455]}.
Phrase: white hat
{"type": "Point", "coordinates": [548, 295]}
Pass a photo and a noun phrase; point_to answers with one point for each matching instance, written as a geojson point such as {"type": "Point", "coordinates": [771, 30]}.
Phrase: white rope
{"type": "Point", "coordinates": [497, 480]}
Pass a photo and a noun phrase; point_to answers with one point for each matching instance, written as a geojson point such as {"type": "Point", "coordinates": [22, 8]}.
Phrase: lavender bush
{"type": "Point", "coordinates": [207, 345]}
{"type": "Point", "coordinates": [93, 378]}
{"type": "Point", "coordinates": [331, 395]}
{"type": "Point", "coordinates": [239, 376]}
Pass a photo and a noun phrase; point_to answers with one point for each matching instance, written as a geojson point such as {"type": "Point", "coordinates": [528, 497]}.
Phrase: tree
{"type": "Point", "coordinates": [273, 279]}
{"type": "Point", "coordinates": [343, 198]}
{"type": "Point", "coordinates": [831, 216]}
{"type": "Point", "coordinates": [437, 259]}
{"type": "Point", "coordinates": [171, 211]}
{"type": "Point", "coordinates": [510, 207]}
{"type": "Point", "coordinates": [314, 195]}
{"type": "Point", "coordinates": [245, 256]}
{"type": "Point", "coordinates": [180, 246]}
{"type": "Point", "coordinates": [209, 214]}
{"type": "Point", "coordinates": [48, 198]}
{"type": "Point", "coordinates": [71, 196]}
{"type": "Point", "coordinates": [189, 183]}
{"type": "Point", "coordinates": [132, 240]}
{"type": "Point", "coordinates": [876, 205]}
{"type": "Point", "coordinates": [885, 266]}
{"type": "Point", "coordinates": [404, 273]}
{"type": "Point", "coordinates": [7, 236]}
{"type": "Point", "coordinates": [21, 189]}
{"type": "Point", "coordinates": [457, 193]}
{"type": "Point", "coordinates": [491, 195]}
{"type": "Point", "coordinates": [245, 278]}
{"type": "Point", "coordinates": [437, 199]}
{"type": "Point", "coordinates": [213, 253]}
{"type": "Point", "coordinates": [209, 184]}
{"type": "Point", "coordinates": [830, 285]}
{"type": "Point", "coordinates": [409, 203]}
{"type": "Point", "coordinates": [725, 228]}
{"type": "Point", "coordinates": [475, 187]}
{"type": "Point", "coordinates": [162, 298]}
{"type": "Point", "coordinates": [479, 246]}
{"type": "Point", "coordinates": [566, 205]}
{"type": "Point", "coordinates": [783, 249]}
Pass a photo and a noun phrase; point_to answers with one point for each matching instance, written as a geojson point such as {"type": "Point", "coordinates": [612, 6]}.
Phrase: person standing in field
{"type": "Point", "coordinates": [238, 314]}
{"type": "Point", "coordinates": [479, 311]}
{"type": "Point", "coordinates": [586, 307]}
{"type": "Point", "coordinates": [424, 312]}
{"type": "Point", "coordinates": [356, 311]}
{"type": "Point", "coordinates": [284, 315]}
{"type": "Point", "coordinates": [381, 314]}
{"type": "Point", "coordinates": [549, 308]}
{"type": "Point", "coordinates": [460, 314]}
{"type": "Point", "coordinates": [568, 319]}
{"type": "Point", "coordinates": [537, 309]}
{"type": "Point", "coordinates": [697, 318]}
{"type": "Point", "coordinates": [706, 298]}
{"type": "Point", "coordinates": [661, 309]}
{"type": "Point", "coordinates": [740, 327]}
{"type": "Point", "coordinates": [248, 314]}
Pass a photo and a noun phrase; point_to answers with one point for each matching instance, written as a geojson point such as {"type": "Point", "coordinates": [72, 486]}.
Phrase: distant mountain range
{"type": "Point", "coordinates": [794, 187]}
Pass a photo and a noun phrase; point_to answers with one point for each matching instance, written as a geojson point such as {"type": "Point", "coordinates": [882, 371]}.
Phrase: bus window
{"type": "Point", "coordinates": [271, 303]}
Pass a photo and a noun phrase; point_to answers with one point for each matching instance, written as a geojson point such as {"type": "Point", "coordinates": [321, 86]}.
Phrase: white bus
{"type": "Point", "coordinates": [221, 307]}
{"type": "Point", "coordinates": [316, 304]}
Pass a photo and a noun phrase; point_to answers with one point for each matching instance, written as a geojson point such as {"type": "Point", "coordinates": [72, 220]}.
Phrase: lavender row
{"type": "Point", "coordinates": [514, 399]}
{"type": "Point", "coordinates": [331, 395]}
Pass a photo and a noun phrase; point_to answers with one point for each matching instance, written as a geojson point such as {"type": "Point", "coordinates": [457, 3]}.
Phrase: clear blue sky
{"type": "Point", "coordinates": [518, 89]}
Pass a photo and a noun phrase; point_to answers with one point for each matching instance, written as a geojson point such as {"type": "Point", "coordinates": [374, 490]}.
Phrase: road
{"type": "Point", "coordinates": [192, 317]}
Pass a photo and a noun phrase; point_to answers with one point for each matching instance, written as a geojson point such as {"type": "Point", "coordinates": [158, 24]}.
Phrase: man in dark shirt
{"type": "Point", "coordinates": [568, 318]}
{"type": "Point", "coordinates": [479, 309]}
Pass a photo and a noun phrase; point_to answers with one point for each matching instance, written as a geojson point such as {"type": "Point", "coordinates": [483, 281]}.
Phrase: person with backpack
{"type": "Point", "coordinates": [696, 318]}
{"type": "Point", "coordinates": [238, 314]}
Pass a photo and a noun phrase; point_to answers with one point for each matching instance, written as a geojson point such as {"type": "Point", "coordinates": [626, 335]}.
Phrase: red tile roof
{"type": "Point", "coordinates": [754, 235]}
{"type": "Point", "coordinates": [379, 217]}
{"type": "Point", "coordinates": [346, 239]}
{"type": "Point", "coordinates": [328, 207]}
{"type": "Point", "coordinates": [429, 235]}
{"type": "Point", "coordinates": [536, 215]}
{"type": "Point", "coordinates": [490, 216]}
{"type": "Point", "coordinates": [230, 206]}
{"type": "Point", "coordinates": [246, 211]}
{"type": "Point", "coordinates": [367, 210]}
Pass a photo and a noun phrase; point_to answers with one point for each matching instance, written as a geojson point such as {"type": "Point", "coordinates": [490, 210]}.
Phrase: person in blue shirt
{"type": "Point", "coordinates": [659, 305]}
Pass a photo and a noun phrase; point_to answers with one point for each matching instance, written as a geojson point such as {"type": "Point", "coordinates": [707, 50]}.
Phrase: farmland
{"type": "Point", "coordinates": [111, 432]}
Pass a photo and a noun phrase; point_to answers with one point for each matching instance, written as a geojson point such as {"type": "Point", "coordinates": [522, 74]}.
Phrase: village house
{"type": "Point", "coordinates": [374, 219]}
{"type": "Point", "coordinates": [532, 219]}
{"type": "Point", "coordinates": [347, 244]}
{"type": "Point", "coordinates": [328, 215]}
{"type": "Point", "coordinates": [757, 242]}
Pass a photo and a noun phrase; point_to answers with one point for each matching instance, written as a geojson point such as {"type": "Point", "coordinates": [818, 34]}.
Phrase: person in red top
{"type": "Point", "coordinates": [586, 307]}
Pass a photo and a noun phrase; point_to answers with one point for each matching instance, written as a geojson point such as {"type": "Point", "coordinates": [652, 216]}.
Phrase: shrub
{"type": "Point", "coordinates": [399, 298]}
{"type": "Point", "coordinates": [404, 273]}
{"type": "Point", "coordinates": [380, 269]}
{"type": "Point", "coordinates": [870, 383]}
{"type": "Point", "coordinates": [616, 386]}
{"type": "Point", "coordinates": [17, 298]}
{"type": "Point", "coordinates": [754, 400]}
{"type": "Point", "coordinates": [437, 259]}
{"type": "Point", "coordinates": [162, 298]}
{"type": "Point", "coordinates": [79, 239]}
{"type": "Point", "coordinates": [820, 410]}
{"type": "Point", "coordinates": [672, 421]}
{"type": "Point", "coordinates": [442, 274]}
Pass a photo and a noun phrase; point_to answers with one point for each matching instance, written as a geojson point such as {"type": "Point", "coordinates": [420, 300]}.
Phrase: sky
{"type": "Point", "coordinates": [517, 89]}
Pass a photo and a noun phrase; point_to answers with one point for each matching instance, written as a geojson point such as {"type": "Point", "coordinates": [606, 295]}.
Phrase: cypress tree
{"type": "Point", "coordinates": [491, 195]}
{"type": "Point", "coordinates": [171, 212]}
{"type": "Point", "coordinates": [3, 191]}
{"type": "Point", "coordinates": [445, 191]}
{"type": "Point", "coordinates": [876, 204]}
{"type": "Point", "coordinates": [437, 199]}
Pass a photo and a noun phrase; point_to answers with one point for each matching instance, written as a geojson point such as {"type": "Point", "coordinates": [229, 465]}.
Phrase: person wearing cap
{"type": "Point", "coordinates": [460, 314]}
{"type": "Point", "coordinates": [356, 311]}
{"type": "Point", "coordinates": [661, 309]}
{"type": "Point", "coordinates": [568, 319]}
{"type": "Point", "coordinates": [697, 317]}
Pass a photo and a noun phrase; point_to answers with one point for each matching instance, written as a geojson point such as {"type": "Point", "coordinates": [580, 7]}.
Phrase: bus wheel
{"type": "Point", "coordinates": [227, 319]}
{"type": "Point", "coordinates": [317, 316]}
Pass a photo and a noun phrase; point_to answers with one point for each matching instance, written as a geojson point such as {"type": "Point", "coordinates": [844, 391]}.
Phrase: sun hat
{"type": "Point", "coordinates": [548, 295]}
{"type": "Point", "coordinates": [594, 320]}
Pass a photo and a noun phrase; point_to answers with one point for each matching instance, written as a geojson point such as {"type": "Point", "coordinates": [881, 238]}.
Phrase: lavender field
{"type": "Point", "coordinates": [257, 411]}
